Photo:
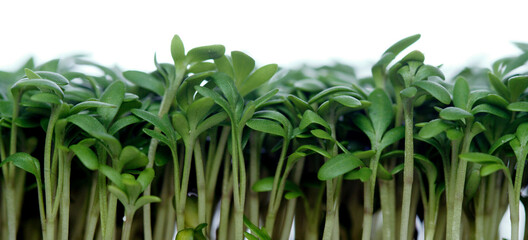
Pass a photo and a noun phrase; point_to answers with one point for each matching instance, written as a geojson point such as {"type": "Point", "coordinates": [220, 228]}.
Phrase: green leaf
{"type": "Point", "coordinates": [211, 122]}
{"type": "Point", "coordinates": [477, 128]}
{"type": "Point", "coordinates": [203, 53]}
{"type": "Point", "coordinates": [263, 185]}
{"type": "Point", "coordinates": [427, 167]}
{"type": "Point", "coordinates": [454, 113]}
{"type": "Point", "coordinates": [522, 134]}
{"type": "Point", "coordinates": [433, 128]}
{"type": "Point", "coordinates": [436, 90]}
{"type": "Point", "coordinates": [499, 86]}
{"type": "Point", "coordinates": [89, 104]}
{"type": "Point", "coordinates": [293, 158]}
{"type": "Point", "coordinates": [113, 175]}
{"type": "Point", "coordinates": [322, 134]}
{"type": "Point", "coordinates": [201, 67]}
{"type": "Point", "coordinates": [156, 135]}
{"type": "Point", "coordinates": [266, 126]}
{"type": "Point", "coordinates": [363, 123]}
{"type": "Point", "coordinates": [327, 92]}
{"type": "Point", "coordinates": [114, 94]}
{"type": "Point", "coordinates": [292, 195]}
{"type": "Point", "coordinates": [409, 92]}
{"type": "Point", "coordinates": [259, 77]}
{"type": "Point", "coordinates": [247, 114]}
{"type": "Point", "coordinates": [31, 75]}
{"type": "Point", "coordinates": [401, 45]}
{"type": "Point", "coordinates": [177, 50]}
{"type": "Point", "coordinates": [490, 109]}
{"type": "Point", "coordinates": [454, 134]}
{"type": "Point", "coordinates": [41, 84]}
{"type": "Point", "coordinates": [224, 65]}
{"type": "Point", "coordinates": [338, 166]}
{"type": "Point", "coordinates": [131, 158]}
{"type": "Point", "coordinates": [300, 104]}
{"type": "Point", "coordinates": [391, 136]}
{"type": "Point", "coordinates": [93, 127]}
{"type": "Point", "coordinates": [144, 200]}
{"type": "Point", "coordinates": [261, 233]}
{"type": "Point", "coordinates": [517, 85]}
{"type": "Point", "coordinates": [347, 101]}
{"type": "Point", "coordinates": [264, 98]}
{"type": "Point", "coordinates": [161, 123]}
{"type": "Point", "coordinates": [380, 112]}
{"type": "Point", "coordinates": [145, 178]}
{"type": "Point", "coordinates": [367, 154]}
{"type": "Point", "coordinates": [185, 234]}
{"type": "Point", "coordinates": [46, 98]}
{"type": "Point", "coordinates": [461, 93]}
{"type": "Point", "coordinates": [481, 158]}
{"type": "Point", "coordinates": [382, 173]}
{"type": "Point", "coordinates": [243, 65]}
{"type": "Point", "coordinates": [206, 92]}
{"type": "Point", "coordinates": [310, 117]}
{"type": "Point", "coordinates": [426, 71]}
{"type": "Point", "coordinates": [120, 194]}
{"type": "Point", "coordinates": [309, 85]}
{"type": "Point", "coordinates": [249, 236]}
{"type": "Point", "coordinates": [122, 123]}
{"type": "Point", "coordinates": [397, 169]}
{"type": "Point", "coordinates": [315, 149]}
{"type": "Point", "coordinates": [518, 107]}
{"type": "Point", "coordinates": [53, 76]}
{"type": "Point", "coordinates": [25, 162]}
{"type": "Point", "coordinates": [145, 81]}
{"type": "Point", "coordinates": [227, 86]}
{"type": "Point", "coordinates": [86, 155]}
{"type": "Point", "coordinates": [472, 183]}
{"type": "Point", "coordinates": [501, 141]}
{"type": "Point", "coordinates": [491, 168]}
{"type": "Point", "coordinates": [363, 174]}
{"type": "Point", "coordinates": [198, 110]}
{"type": "Point", "coordinates": [180, 124]}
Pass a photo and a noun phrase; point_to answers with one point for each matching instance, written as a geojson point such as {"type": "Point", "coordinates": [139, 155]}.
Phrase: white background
{"type": "Point", "coordinates": [128, 33]}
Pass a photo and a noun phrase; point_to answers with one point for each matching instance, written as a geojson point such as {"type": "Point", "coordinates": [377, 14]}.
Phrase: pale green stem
{"type": "Point", "coordinates": [127, 225]}
{"type": "Point", "coordinates": [330, 211]}
{"type": "Point", "coordinates": [408, 170]}
{"type": "Point", "coordinates": [515, 196]}
{"type": "Point", "coordinates": [388, 205]}
{"type": "Point", "coordinates": [112, 206]}
{"type": "Point", "coordinates": [290, 208]}
{"type": "Point", "coordinates": [276, 192]}
{"type": "Point", "coordinates": [368, 209]}
{"type": "Point", "coordinates": [10, 177]}
{"type": "Point", "coordinates": [480, 204]}
{"type": "Point", "coordinates": [200, 183]}
{"type": "Point", "coordinates": [459, 186]}
{"type": "Point", "coordinates": [182, 198]}
{"type": "Point", "coordinates": [65, 199]}
{"type": "Point", "coordinates": [212, 172]}
{"type": "Point", "coordinates": [93, 211]}
{"type": "Point", "coordinates": [227, 189]}
{"type": "Point", "coordinates": [450, 186]}
{"type": "Point", "coordinates": [254, 165]}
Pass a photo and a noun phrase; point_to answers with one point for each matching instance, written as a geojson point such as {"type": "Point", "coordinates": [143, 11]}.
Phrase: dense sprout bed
{"type": "Point", "coordinates": [218, 148]}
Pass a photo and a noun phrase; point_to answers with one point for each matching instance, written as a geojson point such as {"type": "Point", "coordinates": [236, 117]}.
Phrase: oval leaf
{"type": "Point", "coordinates": [454, 113]}
{"type": "Point", "coordinates": [338, 166]}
